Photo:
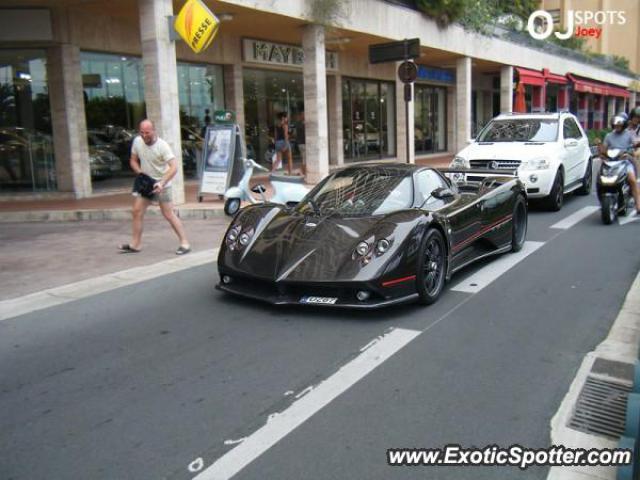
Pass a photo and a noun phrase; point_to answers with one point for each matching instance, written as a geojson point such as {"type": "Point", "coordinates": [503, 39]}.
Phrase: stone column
{"type": "Point", "coordinates": [161, 80]}
{"type": "Point", "coordinates": [401, 122]}
{"type": "Point", "coordinates": [336, 137]}
{"type": "Point", "coordinates": [234, 92]}
{"type": "Point", "coordinates": [463, 102]}
{"type": "Point", "coordinates": [506, 89]}
{"type": "Point", "coordinates": [315, 103]}
{"type": "Point", "coordinates": [68, 120]}
{"type": "Point", "coordinates": [633, 100]}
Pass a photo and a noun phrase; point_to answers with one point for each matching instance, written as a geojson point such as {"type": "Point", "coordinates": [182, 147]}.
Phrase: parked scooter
{"type": "Point", "coordinates": [613, 187]}
{"type": "Point", "coordinates": [286, 190]}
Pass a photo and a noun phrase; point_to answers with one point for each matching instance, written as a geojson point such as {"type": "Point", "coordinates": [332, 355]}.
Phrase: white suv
{"type": "Point", "coordinates": [549, 150]}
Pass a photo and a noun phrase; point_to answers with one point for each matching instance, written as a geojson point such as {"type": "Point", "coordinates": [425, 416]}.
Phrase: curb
{"type": "Point", "coordinates": [621, 345]}
{"type": "Point", "coordinates": [115, 214]}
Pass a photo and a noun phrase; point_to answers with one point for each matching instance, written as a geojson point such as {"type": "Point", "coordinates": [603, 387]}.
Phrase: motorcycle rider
{"type": "Point", "coordinates": [621, 138]}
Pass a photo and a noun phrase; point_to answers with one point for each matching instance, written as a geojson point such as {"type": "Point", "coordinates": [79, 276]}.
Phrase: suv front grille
{"type": "Point", "coordinates": [495, 164]}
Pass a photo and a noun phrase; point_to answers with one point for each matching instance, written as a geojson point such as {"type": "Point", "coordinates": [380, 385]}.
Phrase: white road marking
{"type": "Point", "coordinates": [576, 217]}
{"type": "Point", "coordinates": [86, 288]}
{"type": "Point", "coordinates": [497, 267]}
{"type": "Point", "coordinates": [631, 217]}
{"type": "Point", "coordinates": [301, 410]}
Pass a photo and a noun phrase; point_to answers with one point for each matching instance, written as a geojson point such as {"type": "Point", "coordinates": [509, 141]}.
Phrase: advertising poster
{"type": "Point", "coordinates": [218, 155]}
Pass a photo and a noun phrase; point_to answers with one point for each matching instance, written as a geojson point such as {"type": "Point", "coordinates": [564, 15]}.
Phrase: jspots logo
{"type": "Point", "coordinates": [578, 23]}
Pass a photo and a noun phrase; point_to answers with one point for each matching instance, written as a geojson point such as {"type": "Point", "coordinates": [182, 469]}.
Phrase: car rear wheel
{"type": "Point", "coordinates": [518, 225]}
{"type": "Point", "coordinates": [431, 267]}
{"type": "Point", "coordinates": [587, 180]}
{"type": "Point", "coordinates": [556, 197]}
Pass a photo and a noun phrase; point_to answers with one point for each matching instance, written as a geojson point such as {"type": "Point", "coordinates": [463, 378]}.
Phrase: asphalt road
{"type": "Point", "coordinates": [164, 378]}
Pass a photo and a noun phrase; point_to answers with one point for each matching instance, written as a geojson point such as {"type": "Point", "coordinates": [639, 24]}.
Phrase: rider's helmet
{"type": "Point", "coordinates": [618, 120]}
{"type": "Point", "coordinates": [635, 112]}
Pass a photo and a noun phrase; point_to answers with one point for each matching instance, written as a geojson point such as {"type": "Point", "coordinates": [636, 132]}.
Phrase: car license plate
{"type": "Point", "coordinates": [319, 300]}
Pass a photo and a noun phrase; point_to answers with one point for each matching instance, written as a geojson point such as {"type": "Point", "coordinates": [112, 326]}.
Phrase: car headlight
{"type": "Point", "coordinates": [460, 162]}
{"type": "Point", "coordinates": [535, 164]}
{"type": "Point", "coordinates": [232, 236]}
{"type": "Point", "coordinates": [238, 237]}
{"type": "Point", "coordinates": [382, 246]}
{"type": "Point", "coordinates": [245, 237]}
{"type": "Point", "coordinates": [362, 249]}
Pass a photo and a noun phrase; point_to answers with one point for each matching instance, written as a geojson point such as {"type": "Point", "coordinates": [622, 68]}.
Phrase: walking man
{"type": "Point", "coordinates": [152, 156]}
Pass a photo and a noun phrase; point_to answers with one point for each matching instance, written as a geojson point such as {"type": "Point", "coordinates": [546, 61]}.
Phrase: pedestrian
{"type": "Point", "coordinates": [207, 122]}
{"type": "Point", "coordinates": [634, 128]}
{"type": "Point", "coordinates": [151, 157]}
{"type": "Point", "coordinates": [282, 144]}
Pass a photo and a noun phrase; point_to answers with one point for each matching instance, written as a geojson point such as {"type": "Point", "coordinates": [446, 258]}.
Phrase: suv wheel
{"type": "Point", "coordinates": [555, 199]}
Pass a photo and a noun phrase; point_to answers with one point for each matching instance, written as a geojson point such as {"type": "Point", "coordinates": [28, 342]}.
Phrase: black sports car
{"type": "Point", "coordinates": [373, 235]}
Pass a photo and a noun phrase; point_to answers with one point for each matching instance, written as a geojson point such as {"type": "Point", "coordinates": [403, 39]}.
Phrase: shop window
{"type": "Point", "coordinates": [368, 119]}
{"type": "Point", "coordinates": [114, 105]}
{"type": "Point", "coordinates": [267, 93]}
{"type": "Point", "coordinates": [430, 119]}
{"type": "Point", "coordinates": [26, 146]}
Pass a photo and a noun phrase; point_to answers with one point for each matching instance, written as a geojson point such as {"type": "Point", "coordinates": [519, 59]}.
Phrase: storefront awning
{"type": "Point", "coordinates": [554, 78]}
{"type": "Point", "coordinates": [589, 86]}
{"type": "Point", "coordinates": [530, 77]}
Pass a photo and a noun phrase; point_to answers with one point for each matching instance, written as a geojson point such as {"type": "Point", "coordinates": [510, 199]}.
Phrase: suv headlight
{"type": "Point", "coordinates": [535, 164]}
{"type": "Point", "coordinates": [460, 162]}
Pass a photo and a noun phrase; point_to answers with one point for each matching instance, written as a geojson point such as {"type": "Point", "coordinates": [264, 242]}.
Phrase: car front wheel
{"type": "Point", "coordinates": [431, 267]}
{"type": "Point", "coordinates": [556, 197]}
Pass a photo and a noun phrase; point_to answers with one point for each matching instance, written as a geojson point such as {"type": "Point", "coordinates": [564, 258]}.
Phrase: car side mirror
{"type": "Point", "coordinates": [442, 193]}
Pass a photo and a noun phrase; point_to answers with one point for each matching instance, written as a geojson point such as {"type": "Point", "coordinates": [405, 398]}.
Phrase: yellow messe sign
{"type": "Point", "coordinates": [196, 25]}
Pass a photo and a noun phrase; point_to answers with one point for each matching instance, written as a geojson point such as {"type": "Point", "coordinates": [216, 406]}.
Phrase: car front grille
{"type": "Point", "coordinates": [495, 164]}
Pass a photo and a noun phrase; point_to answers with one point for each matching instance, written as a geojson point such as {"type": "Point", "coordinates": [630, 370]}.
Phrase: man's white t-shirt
{"type": "Point", "coordinates": [154, 159]}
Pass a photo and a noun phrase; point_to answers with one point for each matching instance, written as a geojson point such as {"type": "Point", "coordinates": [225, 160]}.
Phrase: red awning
{"type": "Point", "coordinates": [589, 86]}
{"type": "Point", "coordinates": [530, 77]}
{"type": "Point", "coordinates": [554, 78]}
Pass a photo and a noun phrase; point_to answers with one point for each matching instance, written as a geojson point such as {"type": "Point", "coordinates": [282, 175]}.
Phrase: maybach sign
{"type": "Point", "coordinates": [260, 51]}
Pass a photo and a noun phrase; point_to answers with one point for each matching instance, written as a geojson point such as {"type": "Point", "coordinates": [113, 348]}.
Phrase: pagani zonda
{"type": "Point", "coordinates": [372, 235]}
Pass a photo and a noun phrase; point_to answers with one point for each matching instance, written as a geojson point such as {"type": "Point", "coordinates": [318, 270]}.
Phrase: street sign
{"type": "Point", "coordinates": [197, 25]}
{"type": "Point", "coordinates": [394, 51]}
{"type": "Point", "coordinates": [407, 72]}
{"type": "Point", "coordinates": [224, 116]}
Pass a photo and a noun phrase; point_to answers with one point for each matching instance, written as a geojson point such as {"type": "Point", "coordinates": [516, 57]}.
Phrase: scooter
{"type": "Point", "coordinates": [286, 190]}
{"type": "Point", "coordinates": [613, 187]}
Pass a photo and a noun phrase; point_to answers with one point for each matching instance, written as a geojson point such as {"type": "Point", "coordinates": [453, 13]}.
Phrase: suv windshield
{"type": "Point", "coordinates": [360, 192]}
{"type": "Point", "coordinates": [520, 130]}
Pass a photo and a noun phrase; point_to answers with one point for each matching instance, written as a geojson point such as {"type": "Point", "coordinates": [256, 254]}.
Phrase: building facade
{"type": "Point", "coordinates": [76, 77]}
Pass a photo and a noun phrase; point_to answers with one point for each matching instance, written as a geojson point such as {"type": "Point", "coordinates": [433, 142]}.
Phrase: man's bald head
{"type": "Point", "coordinates": [147, 131]}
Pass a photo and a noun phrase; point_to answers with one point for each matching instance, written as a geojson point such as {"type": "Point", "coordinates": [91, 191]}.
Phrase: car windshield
{"type": "Point", "coordinates": [520, 130]}
{"type": "Point", "coordinates": [360, 192]}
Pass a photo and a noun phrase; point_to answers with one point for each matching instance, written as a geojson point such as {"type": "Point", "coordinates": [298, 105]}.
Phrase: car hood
{"type": "Point", "coordinates": [506, 150]}
{"type": "Point", "coordinates": [297, 248]}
